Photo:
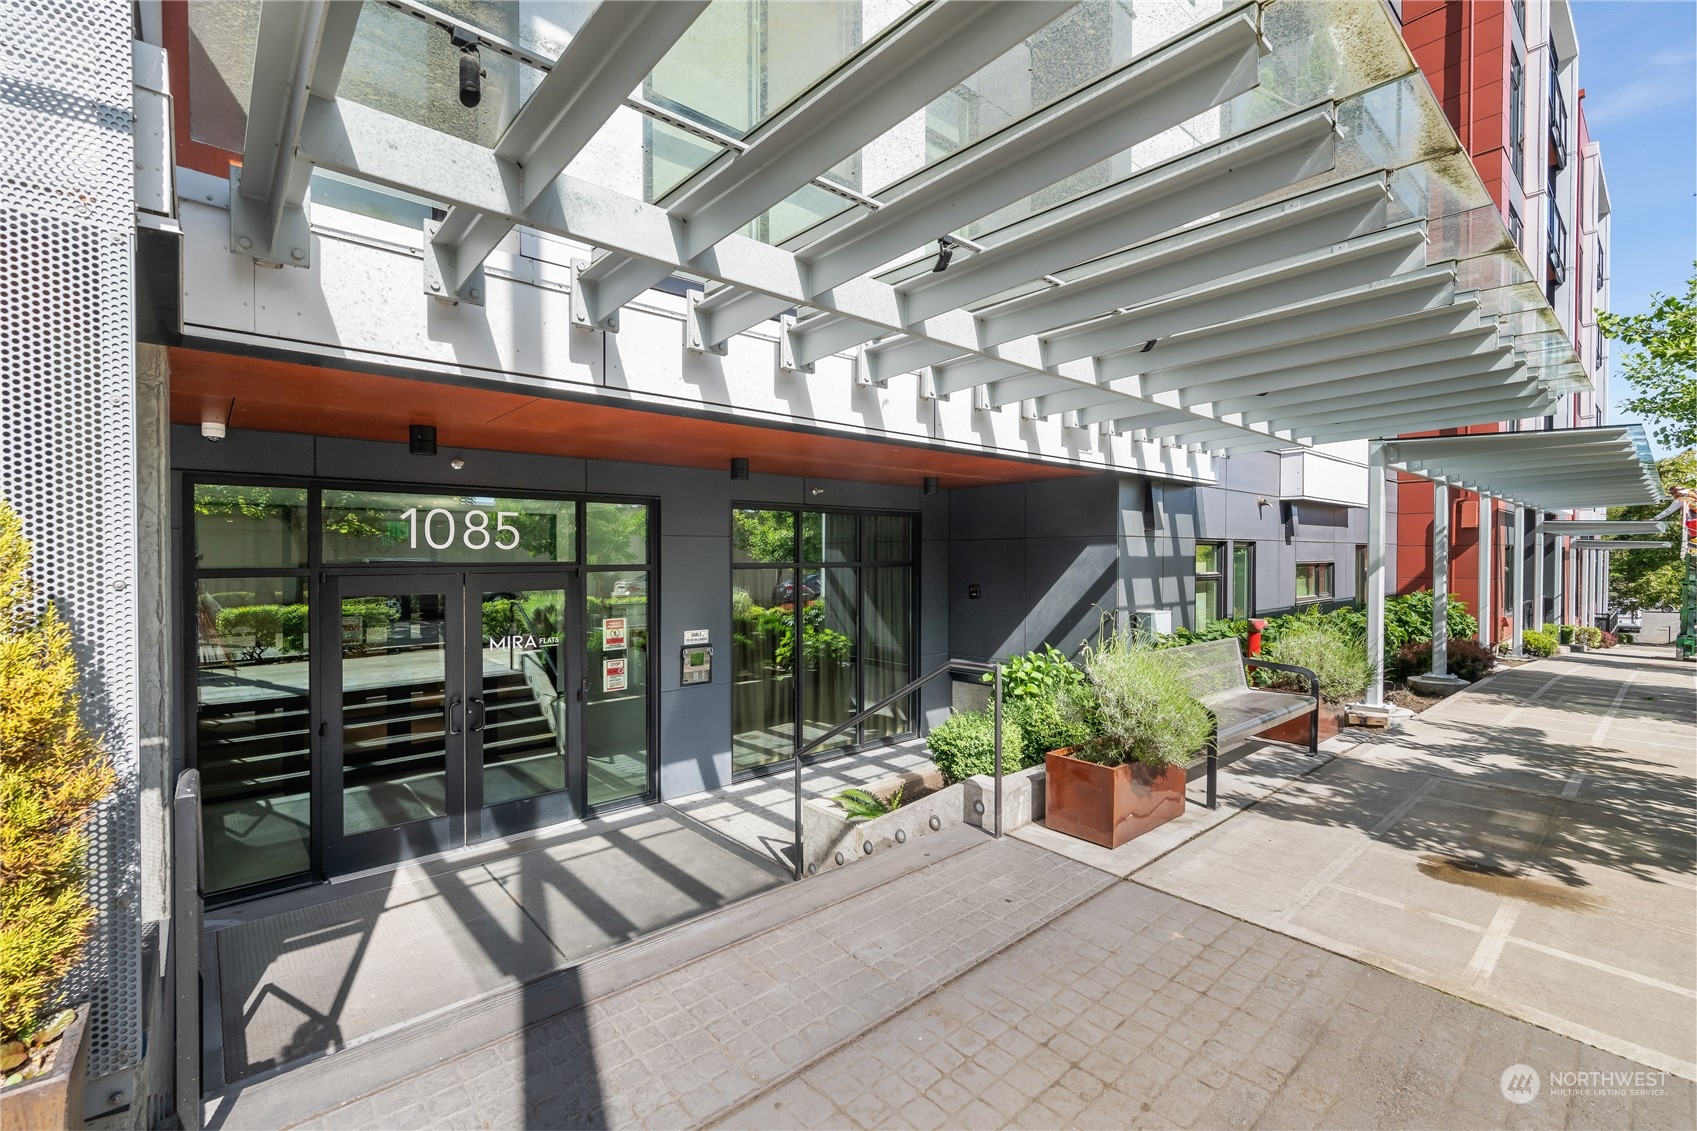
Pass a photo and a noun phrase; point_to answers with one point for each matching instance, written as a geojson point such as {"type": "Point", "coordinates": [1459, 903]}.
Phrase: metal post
{"type": "Point", "coordinates": [795, 771]}
{"type": "Point", "coordinates": [1376, 574]}
{"type": "Point", "coordinates": [1440, 579]}
{"type": "Point", "coordinates": [998, 735]}
{"type": "Point", "coordinates": [1518, 616]}
{"type": "Point", "coordinates": [1538, 570]}
{"type": "Point", "coordinates": [185, 944]}
{"type": "Point", "coordinates": [1487, 629]}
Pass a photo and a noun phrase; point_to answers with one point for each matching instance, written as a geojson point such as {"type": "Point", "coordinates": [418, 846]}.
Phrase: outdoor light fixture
{"type": "Point", "coordinates": [929, 485]}
{"type": "Point", "coordinates": [816, 491]}
{"type": "Point", "coordinates": [739, 469]}
{"type": "Point", "coordinates": [457, 464]}
{"type": "Point", "coordinates": [471, 67]}
{"type": "Point", "coordinates": [945, 252]}
{"type": "Point", "coordinates": [421, 439]}
{"type": "Point", "coordinates": [215, 424]}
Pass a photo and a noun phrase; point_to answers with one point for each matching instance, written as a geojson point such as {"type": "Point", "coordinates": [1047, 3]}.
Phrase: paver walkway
{"type": "Point", "coordinates": [968, 982]}
{"type": "Point", "coordinates": [1530, 844]}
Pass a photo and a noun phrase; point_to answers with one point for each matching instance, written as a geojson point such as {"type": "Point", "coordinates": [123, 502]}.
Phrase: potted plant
{"type": "Point", "coordinates": [52, 774]}
{"type": "Point", "coordinates": [1128, 777]}
{"type": "Point", "coordinates": [1334, 653]}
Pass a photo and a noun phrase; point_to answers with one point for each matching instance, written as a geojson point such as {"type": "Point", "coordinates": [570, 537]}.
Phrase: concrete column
{"type": "Point", "coordinates": [1440, 578]}
{"type": "Point", "coordinates": [1376, 575]}
{"type": "Point", "coordinates": [1538, 563]}
{"type": "Point", "coordinates": [1487, 630]}
{"type": "Point", "coordinates": [1517, 617]}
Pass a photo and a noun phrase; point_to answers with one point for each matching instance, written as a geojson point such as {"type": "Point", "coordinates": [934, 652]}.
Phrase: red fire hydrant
{"type": "Point", "coordinates": [1256, 626]}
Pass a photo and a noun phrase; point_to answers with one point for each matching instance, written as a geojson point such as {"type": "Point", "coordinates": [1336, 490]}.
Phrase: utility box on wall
{"type": "Point", "coordinates": [1155, 620]}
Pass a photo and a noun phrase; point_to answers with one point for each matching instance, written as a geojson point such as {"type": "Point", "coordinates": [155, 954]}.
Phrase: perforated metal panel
{"type": "Point", "coordinates": [67, 423]}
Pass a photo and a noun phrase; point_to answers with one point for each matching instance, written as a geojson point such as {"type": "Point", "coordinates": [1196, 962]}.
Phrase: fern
{"type": "Point", "coordinates": [861, 805]}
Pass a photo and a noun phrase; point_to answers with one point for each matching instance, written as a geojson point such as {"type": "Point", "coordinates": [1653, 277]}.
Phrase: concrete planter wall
{"type": "Point", "coordinates": [1022, 799]}
{"type": "Point", "coordinates": [830, 839]}
{"type": "Point", "coordinates": [56, 1098]}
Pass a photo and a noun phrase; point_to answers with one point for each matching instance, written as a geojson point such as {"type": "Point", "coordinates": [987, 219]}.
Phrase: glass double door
{"type": "Point", "coordinates": [451, 712]}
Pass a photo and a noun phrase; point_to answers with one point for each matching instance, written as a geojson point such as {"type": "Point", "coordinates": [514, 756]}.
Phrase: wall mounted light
{"type": "Point", "coordinates": [421, 439]}
{"type": "Point", "coordinates": [929, 485]}
{"type": "Point", "coordinates": [816, 491]}
{"type": "Point", "coordinates": [457, 464]}
{"type": "Point", "coordinates": [739, 469]}
{"type": "Point", "coordinates": [471, 67]}
{"type": "Point", "coordinates": [215, 422]}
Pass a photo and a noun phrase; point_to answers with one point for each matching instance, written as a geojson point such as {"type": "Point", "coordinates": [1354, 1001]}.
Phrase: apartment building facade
{"type": "Point", "coordinates": [444, 421]}
{"type": "Point", "coordinates": [1508, 77]}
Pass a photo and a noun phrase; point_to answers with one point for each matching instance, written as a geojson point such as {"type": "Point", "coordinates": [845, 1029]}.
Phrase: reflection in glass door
{"type": "Point", "coordinates": [519, 717]}
{"type": "Point", "coordinates": [395, 718]}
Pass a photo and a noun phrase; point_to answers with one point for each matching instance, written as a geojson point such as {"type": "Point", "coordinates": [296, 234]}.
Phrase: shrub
{"type": "Point", "coordinates": [1565, 634]}
{"type": "Point", "coordinates": [1589, 635]}
{"type": "Point", "coordinates": [1037, 674]}
{"type": "Point", "coordinates": [1331, 652]}
{"type": "Point", "coordinates": [965, 744]}
{"type": "Point", "coordinates": [1409, 617]}
{"type": "Point", "coordinates": [1467, 659]}
{"type": "Point", "coordinates": [1626, 637]}
{"type": "Point", "coordinates": [1138, 709]}
{"type": "Point", "coordinates": [1608, 639]}
{"type": "Point", "coordinates": [1047, 722]}
{"type": "Point", "coordinates": [1537, 644]}
{"type": "Point", "coordinates": [52, 773]}
{"type": "Point", "coordinates": [1550, 629]}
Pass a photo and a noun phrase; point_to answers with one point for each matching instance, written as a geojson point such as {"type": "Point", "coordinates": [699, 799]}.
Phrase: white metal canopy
{"type": "Point", "coordinates": [1552, 470]}
{"type": "Point", "coordinates": [1596, 526]}
{"type": "Point", "coordinates": [1235, 238]}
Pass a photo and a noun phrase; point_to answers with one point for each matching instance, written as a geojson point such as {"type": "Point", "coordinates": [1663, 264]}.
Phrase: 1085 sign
{"type": "Point", "coordinates": [475, 533]}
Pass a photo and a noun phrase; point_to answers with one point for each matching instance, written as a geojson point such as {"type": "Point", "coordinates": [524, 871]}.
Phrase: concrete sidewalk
{"type": "Point", "coordinates": [1530, 844]}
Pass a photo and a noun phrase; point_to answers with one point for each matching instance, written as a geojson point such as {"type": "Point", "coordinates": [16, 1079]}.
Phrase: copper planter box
{"type": "Point", "coordinates": [54, 1099]}
{"type": "Point", "coordinates": [1296, 730]}
{"type": "Point", "coordinates": [1108, 805]}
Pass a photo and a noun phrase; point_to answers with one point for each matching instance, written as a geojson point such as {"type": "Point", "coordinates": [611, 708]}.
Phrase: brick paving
{"type": "Point", "coordinates": [1006, 986]}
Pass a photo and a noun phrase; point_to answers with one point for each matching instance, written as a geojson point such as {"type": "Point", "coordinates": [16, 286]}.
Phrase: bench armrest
{"type": "Point", "coordinates": [1313, 680]}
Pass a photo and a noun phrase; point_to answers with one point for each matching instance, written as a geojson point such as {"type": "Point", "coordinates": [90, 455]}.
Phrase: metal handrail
{"type": "Point", "coordinates": [188, 868]}
{"type": "Point", "coordinates": [906, 689]}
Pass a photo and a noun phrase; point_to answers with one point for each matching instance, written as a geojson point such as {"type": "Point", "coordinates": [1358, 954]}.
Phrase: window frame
{"type": "Point", "coordinates": [1327, 570]}
{"type": "Point", "coordinates": [1218, 575]}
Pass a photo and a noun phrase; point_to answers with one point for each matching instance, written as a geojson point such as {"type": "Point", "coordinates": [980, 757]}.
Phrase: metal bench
{"type": "Point", "coordinates": [1214, 672]}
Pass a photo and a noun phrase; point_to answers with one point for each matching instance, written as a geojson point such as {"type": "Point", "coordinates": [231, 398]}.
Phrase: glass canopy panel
{"type": "Point", "coordinates": [742, 61]}
{"type": "Point", "coordinates": [220, 62]}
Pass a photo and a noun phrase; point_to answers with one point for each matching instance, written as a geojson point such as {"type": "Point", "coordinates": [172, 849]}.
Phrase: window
{"type": "Point", "coordinates": [1361, 575]}
{"type": "Point", "coordinates": [1515, 228]}
{"type": "Point", "coordinates": [1602, 262]}
{"type": "Point", "coordinates": [1313, 581]}
{"type": "Point", "coordinates": [1243, 579]}
{"type": "Point", "coordinates": [1558, 117]}
{"type": "Point", "coordinates": [1558, 243]}
{"type": "Point", "coordinates": [844, 582]}
{"type": "Point", "coordinates": [1517, 119]}
{"type": "Point", "coordinates": [1520, 16]}
{"type": "Point", "coordinates": [1210, 584]}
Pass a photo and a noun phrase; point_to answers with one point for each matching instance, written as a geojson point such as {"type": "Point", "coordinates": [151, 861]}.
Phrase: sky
{"type": "Point", "coordinates": [1638, 67]}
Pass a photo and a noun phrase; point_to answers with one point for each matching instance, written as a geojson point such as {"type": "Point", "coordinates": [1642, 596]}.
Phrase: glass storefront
{"type": "Point", "coordinates": [383, 673]}
{"type": "Point", "coordinates": [841, 582]}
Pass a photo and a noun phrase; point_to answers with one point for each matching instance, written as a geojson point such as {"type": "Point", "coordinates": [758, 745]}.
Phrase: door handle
{"type": "Point", "coordinates": [582, 688]}
{"type": "Point", "coordinates": [452, 713]}
{"type": "Point", "coordinates": [474, 715]}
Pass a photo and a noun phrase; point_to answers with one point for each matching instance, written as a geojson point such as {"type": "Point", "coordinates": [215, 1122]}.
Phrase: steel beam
{"type": "Point", "coordinates": [299, 51]}
{"type": "Point", "coordinates": [899, 72]}
{"type": "Point", "coordinates": [1364, 373]}
{"type": "Point", "coordinates": [617, 46]}
{"type": "Point", "coordinates": [1352, 263]}
{"type": "Point", "coordinates": [387, 150]}
{"type": "Point", "coordinates": [1390, 425]}
{"type": "Point", "coordinates": [1151, 94]}
{"type": "Point", "coordinates": [1127, 213]}
{"type": "Point", "coordinates": [1484, 373]}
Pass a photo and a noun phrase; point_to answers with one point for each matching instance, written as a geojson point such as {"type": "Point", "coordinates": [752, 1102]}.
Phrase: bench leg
{"type": "Point", "coordinates": [1314, 729]}
{"type": "Point", "coordinates": [1213, 774]}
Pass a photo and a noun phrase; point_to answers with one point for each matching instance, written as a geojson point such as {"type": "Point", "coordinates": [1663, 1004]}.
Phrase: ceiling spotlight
{"type": "Point", "coordinates": [421, 439]}
{"type": "Point", "coordinates": [929, 485]}
{"type": "Point", "coordinates": [739, 469]}
{"type": "Point", "coordinates": [215, 422]}
{"type": "Point", "coordinates": [457, 464]}
{"type": "Point", "coordinates": [816, 491]}
{"type": "Point", "coordinates": [471, 67]}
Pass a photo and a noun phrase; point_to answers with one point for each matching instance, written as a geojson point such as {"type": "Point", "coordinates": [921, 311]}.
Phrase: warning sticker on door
{"type": "Point", "coordinates": [613, 673]}
{"type": "Point", "coordinates": [613, 632]}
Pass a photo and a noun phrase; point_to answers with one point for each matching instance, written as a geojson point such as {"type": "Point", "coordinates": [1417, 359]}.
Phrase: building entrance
{"type": "Point", "coordinates": [386, 673]}
{"type": "Point", "coordinates": [448, 714]}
